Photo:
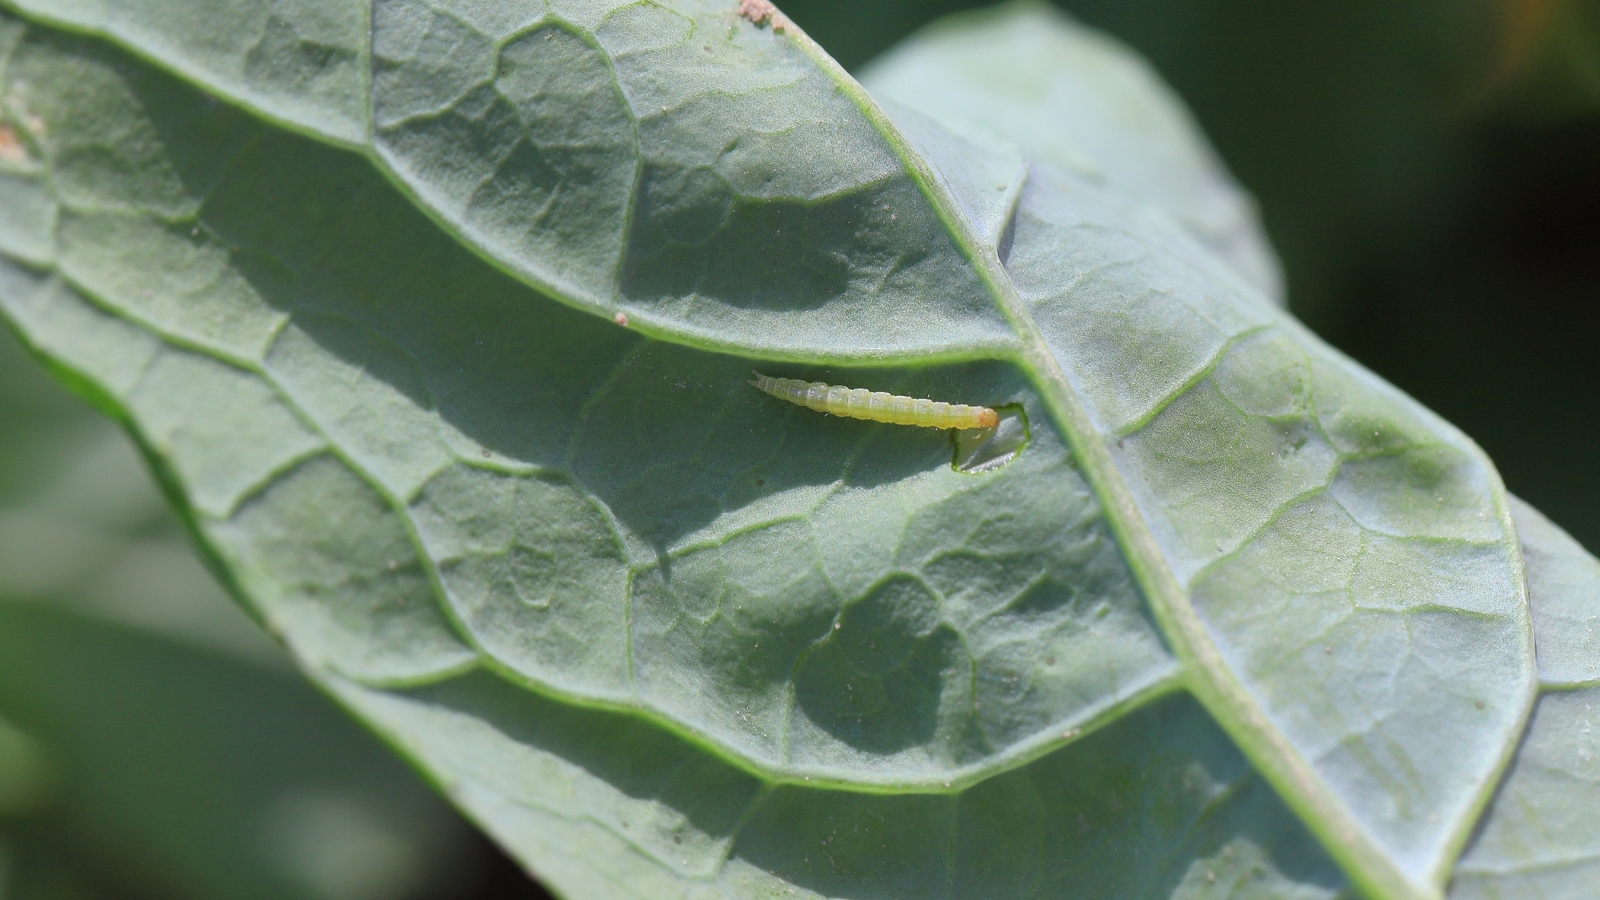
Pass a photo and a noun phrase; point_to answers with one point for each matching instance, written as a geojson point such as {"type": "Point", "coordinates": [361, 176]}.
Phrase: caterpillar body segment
{"type": "Point", "coordinates": [875, 406]}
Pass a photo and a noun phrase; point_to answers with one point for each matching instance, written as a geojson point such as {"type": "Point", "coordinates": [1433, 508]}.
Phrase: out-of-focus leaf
{"type": "Point", "coordinates": [1550, 64]}
{"type": "Point", "coordinates": [28, 776]}
{"type": "Point", "coordinates": [189, 774]}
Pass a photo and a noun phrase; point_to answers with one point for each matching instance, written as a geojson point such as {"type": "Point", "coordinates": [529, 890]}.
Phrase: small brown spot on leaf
{"type": "Point", "coordinates": [11, 149]}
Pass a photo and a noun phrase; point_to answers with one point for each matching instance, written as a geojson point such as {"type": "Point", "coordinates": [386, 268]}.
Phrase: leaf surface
{"type": "Point", "coordinates": [1158, 804]}
{"type": "Point", "coordinates": [1077, 99]}
{"type": "Point", "coordinates": [471, 510]}
{"type": "Point", "coordinates": [1541, 836]}
{"type": "Point", "coordinates": [152, 740]}
{"type": "Point", "coordinates": [300, 62]}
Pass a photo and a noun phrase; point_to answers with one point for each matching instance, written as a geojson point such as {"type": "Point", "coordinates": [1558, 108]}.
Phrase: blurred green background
{"type": "Point", "coordinates": [1428, 171]}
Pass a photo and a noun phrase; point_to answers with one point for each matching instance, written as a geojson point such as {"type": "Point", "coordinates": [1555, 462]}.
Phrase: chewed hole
{"type": "Point", "coordinates": [979, 450]}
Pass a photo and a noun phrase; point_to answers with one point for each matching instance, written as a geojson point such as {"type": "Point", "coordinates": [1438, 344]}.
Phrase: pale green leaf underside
{"type": "Point", "coordinates": [123, 663]}
{"type": "Point", "coordinates": [1541, 836]}
{"type": "Point", "coordinates": [1079, 100]}
{"type": "Point", "coordinates": [415, 467]}
{"type": "Point", "coordinates": [1159, 804]}
{"type": "Point", "coordinates": [566, 482]}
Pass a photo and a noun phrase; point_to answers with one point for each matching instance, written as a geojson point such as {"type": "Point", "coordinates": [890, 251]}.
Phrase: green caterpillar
{"type": "Point", "coordinates": [875, 406]}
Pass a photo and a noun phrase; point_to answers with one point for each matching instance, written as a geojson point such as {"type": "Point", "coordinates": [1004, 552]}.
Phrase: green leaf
{"type": "Point", "coordinates": [152, 741]}
{"type": "Point", "coordinates": [1077, 99]}
{"type": "Point", "coordinates": [28, 776]}
{"type": "Point", "coordinates": [1541, 837]}
{"type": "Point", "coordinates": [299, 62]}
{"type": "Point", "coordinates": [180, 771]}
{"type": "Point", "coordinates": [82, 528]}
{"type": "Point", "coordinates": [603, 805]}
{"type": "Point", "coordinates": [620, 603]}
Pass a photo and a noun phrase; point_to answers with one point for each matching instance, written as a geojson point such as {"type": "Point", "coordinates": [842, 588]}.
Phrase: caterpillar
{"type": "Point", "coordinates": [875, 406]}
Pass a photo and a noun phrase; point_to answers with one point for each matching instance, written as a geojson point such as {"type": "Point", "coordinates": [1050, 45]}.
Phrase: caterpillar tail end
{"type": "Point", "coordinates": [755, 382]}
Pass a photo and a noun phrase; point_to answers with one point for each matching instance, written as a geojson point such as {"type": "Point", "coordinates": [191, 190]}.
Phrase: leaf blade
{"type": "Point", "coordinates": [1108, 374]}
{"type": "Point", "coordinates": [1537, 837]}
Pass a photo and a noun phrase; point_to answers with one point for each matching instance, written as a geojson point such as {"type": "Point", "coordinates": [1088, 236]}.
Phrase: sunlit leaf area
{"type": "Point", "coordinates": [704, 449]}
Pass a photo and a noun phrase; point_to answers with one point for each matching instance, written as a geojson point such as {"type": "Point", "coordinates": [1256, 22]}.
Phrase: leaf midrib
{"type": "Point", "coordinates": [1203, 670]}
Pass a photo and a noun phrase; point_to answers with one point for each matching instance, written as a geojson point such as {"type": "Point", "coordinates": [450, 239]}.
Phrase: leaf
{"type": "Point", "coordinates": [1079, 100]}
{"type": "Point", "coordinates": [621, 604]}
{"type": "Point", "coordinates": [1158, 804]}
{"type": "Point", "coordinates": [299, 62]}
{"type": "Point", "coordinates": [28, 777]}
{"type": "Point", "coordinates": [1540, 838]}
{"type": "Point", "coordinates": [182, 771]}
{"type": "Point", "coordinates": [82, 528]}
{"type": "Point", "coordinates": [140, 769]}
